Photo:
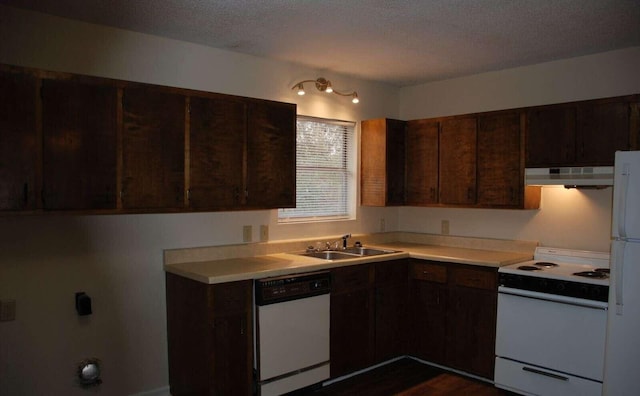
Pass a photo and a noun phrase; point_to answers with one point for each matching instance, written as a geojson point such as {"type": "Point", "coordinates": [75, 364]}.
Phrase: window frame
{"type": "Point", "coordinates": [350, 172]}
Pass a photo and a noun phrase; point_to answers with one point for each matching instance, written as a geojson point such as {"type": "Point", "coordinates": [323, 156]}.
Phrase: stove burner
{"type": "Point", "coordinates": [592, 274]}
{"type": "Point", "coordinates": [529, 268]}
{"type": "Point", "coordinates": [602, 270]}
{"type": "Point", "coordinates": [545, 264]}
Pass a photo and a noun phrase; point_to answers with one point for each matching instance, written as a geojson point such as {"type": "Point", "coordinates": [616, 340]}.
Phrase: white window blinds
{"type": "Point", "coordinates": [324, 175]}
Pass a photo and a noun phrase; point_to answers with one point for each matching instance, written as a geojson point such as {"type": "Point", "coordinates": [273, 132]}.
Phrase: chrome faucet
{"type": "Point", "coordinates": [344, 240]}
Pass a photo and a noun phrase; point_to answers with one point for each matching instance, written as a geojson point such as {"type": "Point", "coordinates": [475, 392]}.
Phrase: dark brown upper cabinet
{"type": "Point", "coordinates": [382, 163]}
{"type": "Point", "coordinates": [584, 133]}
{"type": "Point", "coordinates": [271, 155]}
{"type": "Point", "coordinates": [500, 150]}
{"type": "Point", "coordinates": [422, 162]}
{"type": "Point", "coordinates": [603, 129]}
{"type": "Point", "coordinates": [152, 149]}
{"type": "Point", "coordinates": [87, 144]}
{"type": "Point", "coordinates": [79, 145]}
{"type": "Point", "coordinates": [216, 152]}
{"type": "Point", "coordinates": [458, 142]}
{"type": "Point", "coordinates": [20, 148]}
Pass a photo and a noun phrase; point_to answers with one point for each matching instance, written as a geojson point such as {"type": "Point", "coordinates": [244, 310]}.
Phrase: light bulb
{"type": "Point", "coordinates": [329, 89]}
{"type": "Point", "coordinates": [355, 98]}
{"type": "Point", "coordinates": [300, 90]}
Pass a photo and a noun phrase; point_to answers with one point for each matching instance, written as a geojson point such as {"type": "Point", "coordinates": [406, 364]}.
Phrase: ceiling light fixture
{"type": "Point", "coordinates": [324, 85]}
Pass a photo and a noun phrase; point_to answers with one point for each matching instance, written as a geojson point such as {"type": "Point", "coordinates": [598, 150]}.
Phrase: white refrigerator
{"type": "Point", "coordinates": [622, 358]}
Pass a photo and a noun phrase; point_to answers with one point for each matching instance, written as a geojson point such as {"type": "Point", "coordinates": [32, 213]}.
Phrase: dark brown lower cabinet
{"type": "Point", "coordinates": [390, 309]}
{"type": "Point", "coordinates": [210, 337]}
{"type": "Point", "coordinates": [453, 315]}
{"type": "Point", "coordinates": [470, 341]}
{"type": "Point", "coordinates": [352, 319]}
{"type": "Point", "coordinates": [368, 315]}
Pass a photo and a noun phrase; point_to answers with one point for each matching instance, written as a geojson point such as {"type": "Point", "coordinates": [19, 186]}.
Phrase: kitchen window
{"type": "Point", "coordinates": [325, 171]}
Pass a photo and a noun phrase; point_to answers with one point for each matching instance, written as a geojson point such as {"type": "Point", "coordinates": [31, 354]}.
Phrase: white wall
{"type": "Point", "coordinates": [117, 260]}
{"type": "Point", "coordinates": [571, 219]}
{"type": "Point", "coordinates": [607, 74]}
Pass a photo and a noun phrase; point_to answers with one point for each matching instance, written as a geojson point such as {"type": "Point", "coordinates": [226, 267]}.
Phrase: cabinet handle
{"type": "Point", "coordinates": [242, 326]}
{"type": "Point", "coordinates": [469, 193]}
{"type": "Point", "coordinates": [433, 194]}
{"type": "Point", "coordinates": [189, 194]}
{"type": "Point", "coordinates": [551, 375]}
{"type": "Point", "coordinates": [25, 193]}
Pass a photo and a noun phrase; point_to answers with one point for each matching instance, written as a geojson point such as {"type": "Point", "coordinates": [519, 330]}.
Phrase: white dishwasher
{"type": "Point", "coordinates": [292, 332]}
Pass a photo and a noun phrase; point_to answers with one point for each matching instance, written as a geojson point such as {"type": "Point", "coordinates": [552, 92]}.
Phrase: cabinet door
{"type": "Point", "coordinates": [422, 162]}
{"type": "Point", "coordinates": [428, 320]}
{"type": "Point", "coordinates": [390, 309]}
{"type": "Point", "coordinates": [351, 342]}
{"type": "Point", "coordinates": [216, 153]}
{"type": "Point", "coordinates": [551, 136]}
{"type": "Point", "coordinates": [500, 179]}
{"type": "Point", "coordinates": [271, 155]}
{"type": "Point", "coordinates": [603, 128]}
{"type": "Point", "coordinates": [232, 364]}
{"type": "Point", "coordinates": [458, 143]}
{"type": "Point", "coordinates": [471, 321]}
{"type": "Point", "coordinates": [19, 142]}
{"type": "Point", "coordinates": [395, 160]}
{"type": "Point", "coordinates": [373, 170]}
{"type": "Point", "coordinates": [79, 145]}
{"type": "Point", "coordinates": [352, 321]}
{"type": "Point", "coordinates": [152, 149]}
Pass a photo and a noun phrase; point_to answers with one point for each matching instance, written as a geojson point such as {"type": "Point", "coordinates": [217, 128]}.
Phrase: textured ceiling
{"type": "Point", "coordinates": [394, 41]}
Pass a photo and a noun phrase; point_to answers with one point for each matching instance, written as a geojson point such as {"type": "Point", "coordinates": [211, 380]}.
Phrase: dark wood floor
{"type": "Point", "coordinates": [407, 377]}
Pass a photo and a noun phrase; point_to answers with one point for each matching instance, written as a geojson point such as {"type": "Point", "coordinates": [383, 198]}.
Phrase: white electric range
{"type": "Point", "coordinates": [551, 324]}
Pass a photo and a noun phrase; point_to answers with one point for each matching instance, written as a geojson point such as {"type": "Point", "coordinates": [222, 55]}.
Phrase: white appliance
{"type": "Point", "coordinates": [292, 332]}
{"type": "Point", "coordinates": [551, 323]}
{"type": "Point", "coordinates": [622, 362]}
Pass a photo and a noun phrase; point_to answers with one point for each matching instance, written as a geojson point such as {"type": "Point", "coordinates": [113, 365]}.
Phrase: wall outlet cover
{"type": "Point", "coordinates": [246, 233]}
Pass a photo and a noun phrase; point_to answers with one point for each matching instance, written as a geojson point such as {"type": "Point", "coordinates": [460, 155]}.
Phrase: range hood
{"type": "Point", "coordinates": [570, 177]}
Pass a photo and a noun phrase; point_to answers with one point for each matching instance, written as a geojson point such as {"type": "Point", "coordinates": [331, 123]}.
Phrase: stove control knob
{"type": "Point", "coordinates": [561, 287]}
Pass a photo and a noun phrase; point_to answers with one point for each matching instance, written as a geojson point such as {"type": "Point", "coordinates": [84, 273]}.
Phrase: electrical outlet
{"type": "Point", "coordinates": [246, 233]}
{"type": "Point", "coordinates": [264, 233]}
{"type": "Point", "coordinates": [383, 226]}
{"type": "Point", "coordinates": [444, 227]}
{"type": "Point", "coordinates": [7, 310]}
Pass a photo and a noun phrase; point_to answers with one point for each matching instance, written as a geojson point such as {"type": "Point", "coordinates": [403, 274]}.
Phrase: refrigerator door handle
{"type": "Point", "coordinates": [620, 247]}
{"type": "Point", "coordinates": [622, 201]}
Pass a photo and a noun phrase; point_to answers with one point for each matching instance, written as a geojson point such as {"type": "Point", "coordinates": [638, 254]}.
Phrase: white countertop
{"type": "Point", "coordinates": [235, 269]}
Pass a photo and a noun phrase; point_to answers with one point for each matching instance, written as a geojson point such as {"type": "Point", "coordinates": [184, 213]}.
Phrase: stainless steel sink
{"type": "Point", "coordinates": [348, 253]}
{"type": "Point", "coordinates": [330, 255]}
{"type": "Point", "coordinates": [363, 251]}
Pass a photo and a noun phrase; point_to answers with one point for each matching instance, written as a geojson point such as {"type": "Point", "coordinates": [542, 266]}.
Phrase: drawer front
{"type": "Point", "coordinates": [429, 272]}
{"type": "Point", "coordinates": [475, 278]}
{"type": "Point", "coordinates": [354, 277]}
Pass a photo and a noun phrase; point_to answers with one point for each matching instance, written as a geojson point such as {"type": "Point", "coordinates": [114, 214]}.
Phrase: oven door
{"type": "Point", "coordinates": [560, 336]}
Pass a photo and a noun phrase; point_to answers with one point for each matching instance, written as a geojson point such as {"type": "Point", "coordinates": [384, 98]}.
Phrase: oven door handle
{"type": "Point", "coordinates": [552, 298]}
{"type": "Point", "coordinates": [546, 374]}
